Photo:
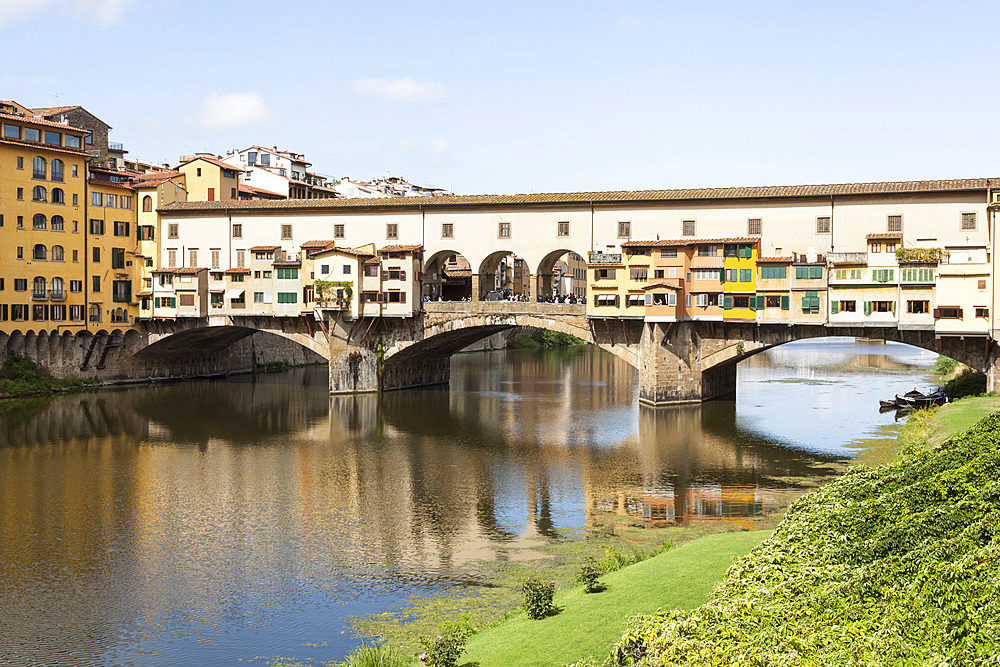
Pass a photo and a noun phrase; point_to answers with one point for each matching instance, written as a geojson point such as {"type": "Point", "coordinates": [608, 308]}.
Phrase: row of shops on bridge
{"type": "Point", "coordinates": [726, 279]}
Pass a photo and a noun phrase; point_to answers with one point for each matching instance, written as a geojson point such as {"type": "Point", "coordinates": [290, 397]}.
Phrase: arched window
{"type": "Point", "coordinates": [57, 253]}
{"type": "Point", "coordinates": [147, 204]}
{"type": "Point", "coordinates": [38, 193]}
{"type": "Point", "coordinates": [57, 223]}
{"type": "Point", "coordinates": [94, 312]}
{"type": "Point", "coordinates": [57, 288]}
{"type": "Point", "coordinates": [38, 167]}
{"type": "Point", "coordinates": [38, 287]}
{"type": "Point", "coordinates": [38, 221]}
{"type": "Point", "coordinates": [119, 315]}
{"type": "Point", "coordinates": [57, 196]}
{"type": "Point", "coordinates": [39, 252]}
{"type": "Point", "coordinates": [57, 170]}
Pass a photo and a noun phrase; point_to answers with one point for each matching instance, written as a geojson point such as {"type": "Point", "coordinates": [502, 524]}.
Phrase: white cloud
{"type": "Point", "coordinates": [234, 109]}
{"type": "Point", "coordinates": [103, 13]}
{"type": "Point", "coordinates": [629, 23]}
{"type": "Point", "coordinates": [407, 89]}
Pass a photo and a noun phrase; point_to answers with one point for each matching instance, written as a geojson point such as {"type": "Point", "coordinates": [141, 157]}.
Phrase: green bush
{"type": "Point", "coordinates": [944, 365]}
{"type": "Point", "coordinates": [589, 575]}
{"type": "Point", "coordinates": [538, 597]}
{"type": "Point", "coordinates": [969, 382]}
{"type": "Point", "coordinates": [445, 649]}
{"type": "Point", "coordinates": [374, 655]}
{"type": "Point", "coordinates": [884, 566]}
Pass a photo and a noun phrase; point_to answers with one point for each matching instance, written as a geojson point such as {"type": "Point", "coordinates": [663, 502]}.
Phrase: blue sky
{"type": "Point", "coordinates": [531, 97]}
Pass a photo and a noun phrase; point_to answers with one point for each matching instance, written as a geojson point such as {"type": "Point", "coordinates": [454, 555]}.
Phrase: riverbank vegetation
{"type": "Point", "coordinates": [543, 339]}
{"type": "Point", "coordinates": [958, 379]}
{"type": "Point", "coordinates": [22, 376]}
{"type": "Point", "coordinates": [885, 565]}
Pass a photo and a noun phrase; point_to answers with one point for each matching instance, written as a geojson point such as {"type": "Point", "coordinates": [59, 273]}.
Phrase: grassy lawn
{"type": "Point", "coordinates": [590, 624]}
{"type": "Point", "coordinates": [932, 427]}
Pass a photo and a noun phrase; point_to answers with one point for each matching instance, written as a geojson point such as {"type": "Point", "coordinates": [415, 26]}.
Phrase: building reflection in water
{"type": "Point", "coordinates": [137, 519]}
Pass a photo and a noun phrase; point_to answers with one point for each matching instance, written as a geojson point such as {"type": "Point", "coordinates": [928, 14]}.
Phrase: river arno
{"type": "Point", "coordinates": [204, 523]}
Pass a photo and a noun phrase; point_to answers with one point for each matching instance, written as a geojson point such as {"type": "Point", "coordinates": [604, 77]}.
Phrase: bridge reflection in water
{"type": "Point", "coordinates": [150, 519]}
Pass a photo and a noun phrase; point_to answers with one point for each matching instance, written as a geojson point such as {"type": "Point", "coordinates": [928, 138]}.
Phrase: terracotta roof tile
{"type": "Point", "coordinates": [144, 293]}
{"type": "Point", "coordinates": [40, 121]}
{"type": "Point", "coordinates": [775, 260]}
{"type": "Point", "coordinates": [109, 184]}
{"type": "Point", "coordinates": [690, 241]}
{"type": "Point", "coordinates": [316, 244]}
{"type": "Point", "coordinates": [266, 247]}
{"type": "Point", "coordinates": [457, 273]}
{"type": "Point", "coordinates": [661, 284]}
{"type": "Point", "coordinates": [237, 271]}
{"type": "Point", "coordinates": [211, 160]}
{"type": "Point", "coordinates": [401, 248]}
{"type": "Point", "coordinates": [43, 147]}
{"type": "Point", "coordinates": [609, 197]}
{"type": "Point", "coordinates": [261, 191]}
{"type": "Point", "coordinates": [885, 235]}
{"type": "Point", "coordinates": [190, 270]}
{"type": "Point", "coordinates": [287, 262]}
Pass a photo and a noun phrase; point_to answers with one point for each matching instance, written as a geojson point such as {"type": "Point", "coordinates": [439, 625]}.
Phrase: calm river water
{"type": "Point", "coordinates": [202, 523]}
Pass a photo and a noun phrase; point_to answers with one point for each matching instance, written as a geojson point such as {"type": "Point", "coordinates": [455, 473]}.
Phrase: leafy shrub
{"type": "Point", "coordinates": [944, 365]}
{"type": "Point", "coordinates": [589, 575]}
{"type": "Point", "coordinates": [891, 565]}
{"type": "Point", "coordinates": [445, 649]}
{"type": "Point", "coordinates": [538, 597]}
{"type": "Point", "coordinates": [368, 655]}
{"type": "Point", "coordinates": [969, 382]}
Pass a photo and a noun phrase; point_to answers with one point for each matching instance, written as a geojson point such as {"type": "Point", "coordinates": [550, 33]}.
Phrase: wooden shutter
{"type": "Point", "coordinates": [937, 313]}
{"type": "Point", "coordinates": [834, 306]}
{"type": "Point", "coordinates": [868, 307]}
{"type": "Point", "coordinates": [784, 302]}
{"type": "Point", "coordinates": [728, 303]}
{"type": "Point", "coordinates": [959, 311]}
{"type": "Point", "coordinates": [647, 299]}
{"type": "Point", "coordinates": [402, 297]}
{"type": "Point", "coordinates": [402, 275]}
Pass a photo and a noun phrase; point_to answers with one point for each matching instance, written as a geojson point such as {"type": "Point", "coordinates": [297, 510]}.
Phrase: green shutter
{"type": "Point", "coordinates": [868, 307]}
{"type": "Point", "coordinates": [816, 272]}
{"type": "Point", "coordinates": [728, 303]}
{"type": "Point", "coordinates": [806, 303]}
{"type": "Point", "coordinates": [173, 302]}
{"type": "Point", "coordinates": [834, 306]}
{"type": "Point", "coordinates": [784, 302]}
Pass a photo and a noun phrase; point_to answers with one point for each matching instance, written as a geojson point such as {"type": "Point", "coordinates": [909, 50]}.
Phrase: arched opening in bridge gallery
{"type": "Point", "coordinates": [561, 275]}
{"type": "Point", "coordinates": [503, 275]}
{"type": "Point", "coordinates": [447, 277]}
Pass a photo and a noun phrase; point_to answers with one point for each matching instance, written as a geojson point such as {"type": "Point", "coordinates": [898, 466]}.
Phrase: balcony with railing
{"type": "Point", "coordinates": [604, 258]}
{"type": "Point", "coordinates": [115, 146]}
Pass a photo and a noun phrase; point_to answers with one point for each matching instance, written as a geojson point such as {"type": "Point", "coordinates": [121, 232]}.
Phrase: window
{"type": "Point", "coordinates": [192, 257]}
{"type": "Point", "coordinates": [287, 297]}
{"type": "Point", "coordinates": [96, 226]}
{"type": "Point", "coordinates": [73, 171]}
{"type": "Point", "coordinates": [58, 223]}
{"type": "Point", "coordinates": [94, 313]}
{"type": "Point", "coordinates": [267, 275]}
{"type": "Point", "coordinates": [890, 246]}
{"type": "Point", "coordinates": [96, 255]}
{"type": "Point", "coordinates": [125, 201]}
{"type": "Point", "coordinates": [145, 232]}
{"type": "Point", "coordinates": [708, 274]}
{"type": "Point", "coordinates": [20, 284]}
{"type": "Point", "coordinates": [982, 312]}
{"type": "Point", "coordinates": [894, 223]}
{"type": "Point", "coordinates": [58, 312]}
{"type": "Point", "coordinates": [687, 228]}
{"type": "Point", "coordinates": [20, 252]}
{"type": "Point", "coordinates": [211, 193]}
{"type": "Point", "coordinates": [76, 286]}
{"type": "Point", "coordinates": [918, 307]}
{"type": "Point", "coordinates": [810, 302]}
{"type": "Point", "coordinates": [883, 275]}
{"type": "Point", "coordinates": [57, 170]}
{"type": "Point", "coordinates": [53, 138]}
{"type": "Point", "coordinates": [981, 285]}
{"type": "Point", "coordinates": [773, 272]}
{"type": "Point", "coordinates": [968, 221]}
{"type": "Point", "coordinates": [39, 252]}
{"type": "Point", "coordinates": [95, 283]}
{"type": "Point", "coordinates": [338, 231]}
{"type": "Point", "coordinates": [38, 167]}
{"type": "Point", "coordinates": [240, 258]}
{"type": "Point", "coordinates": [808, 272]}
{"type": "Point", "coordinates": [237, 278]}
{"type": "Point", "coordinates": [11, 132]}
{"type": "Point", "coordinates": [76, 313]}
{"type": "Point", "coordinates": [110, 201]}
{"type": "Point", "coordinates": [171, 258]}
{"type": "Point", "coordinates": [57, 196]}
{"type": "Point", "coordinates": [76, 258]}
{"type": "Point", "coordinates": [20, 193]}
{"type": "Point", "coordinates": [121, 291]}
{"type": "Point", "coordinates": [503, 230]}
{"type": "Point", "coordinates": [624, 229]}
{"type": "Point", "coordinates": [58, 254]}
{"type": "Point", "coordinates": [347, 269]}
{"type": "Point", "coordinates": [38, 193]}
{"type": "Point", "coordinates": [732, 275]}
{"type": "Point", "coordinates": [606, 299]}
{"type": "Point", "coordinates": [237, 231]}
{"type": "Point", "coordinates": [371, 270]}
{"type": "Point", "coordinates": [672, 272]}
{"type": "Point", "coordinates": [121, 228]}
{"type": "Point", "coordinates": [286, 232]}
{"type": "Point", "coordinates": [172, 230]}
{"type": "Point", "coordinates": [746, 275]}
{"type": "Point", "coordinates": [916, 274]}
{"type": "Point", "coordinates": [38, 287]}
{"type": "Point", "coordinates": [638, 274]}
{"type": "Point", "coordinates": [447, 230]}
{"type": "Point", "coordinates": [95, 199]}
{"type": "Point", "coordinates": [147, 204]}
{"type": "Point", "coordinates": [72, 141]}
{"type": "Point", "coordinates": [215, 258]}
{"type": "Point", "coordinates": [38, 221]}
{"type": "Point", "coordinates": [75, 200]}
{"type": "Point", "coordinates": [823, 225]}
{"type": "Point", "coordinates": [772, 302]}
{"type": "Point", "coordinates": [392, 230]}
{"type": "Point", "coordinates": [32, 134]}
{"type": "Point", "coordinates": [288, 274]}
{"type": "Point", "coordinates": [879, 307]}
{"type": "Point", "coordinates": [846, 306]}
{"type": "Point", "coordinates": [753, 226]}
{"type": "Point", "coordinates": [740, 301]}
{"type": "Point", "coordinates": [605, 274]}
{"type": "Point", "coordinates": [252, 157]}
{"type": "Point", "coordinates": [562, 229]}
{"type": "Point", "coordinates": [730, 250]}
{"type": "Point", "coordinates": [117, 258]}
{"type": "Point", "coordinates": [668, 253]}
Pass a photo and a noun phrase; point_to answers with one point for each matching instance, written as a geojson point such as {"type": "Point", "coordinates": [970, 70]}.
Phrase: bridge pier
{"type": "Point", "coordinates": [676, 365]}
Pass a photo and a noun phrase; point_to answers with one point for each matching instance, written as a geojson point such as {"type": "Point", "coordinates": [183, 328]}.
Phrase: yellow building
{"type": "Point", "coordinates": [42, 218]}
{"type": "Point", "coordinates": [740, 275]}
{"type": "Point", "coordinates": [152, 191]}
{"type": "Point", "coordinates": [209, 179]}
{"type": "Point", "coordinates": [112, 266]}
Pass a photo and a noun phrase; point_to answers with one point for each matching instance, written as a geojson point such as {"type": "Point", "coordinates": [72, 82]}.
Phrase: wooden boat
{"type": "Point", "coordinates": [887, 405]}
{"type": "Point", "coordinates": [916, 399]}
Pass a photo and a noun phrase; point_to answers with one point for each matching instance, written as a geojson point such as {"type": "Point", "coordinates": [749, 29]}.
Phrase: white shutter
{"type": "Point", "coordinates": [648, 299]}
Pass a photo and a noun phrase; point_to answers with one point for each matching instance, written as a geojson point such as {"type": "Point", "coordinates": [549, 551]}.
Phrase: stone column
{"type": "Point", "coordinates": [672, 370]}
{"type": "Point", "coordinates": [528, 292]}
{"type": "Point", "coordinates": [353, 370]}
{"type": "Point", "coordinates": [475, 287]}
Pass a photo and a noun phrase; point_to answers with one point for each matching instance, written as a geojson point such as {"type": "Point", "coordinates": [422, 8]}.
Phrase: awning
{"type": "Point", "coordinates": [234, 293]}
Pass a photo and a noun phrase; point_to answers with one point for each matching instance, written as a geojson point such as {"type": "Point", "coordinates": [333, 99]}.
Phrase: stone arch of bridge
{"type": "Point", "coordinates": [214, 339]}
{"type": "Point", "coordinates": [444, 338]}
{"type": "Point", "coordinates": [547, 264]}
{"type": "Point", "coordinates": [489, 272]}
